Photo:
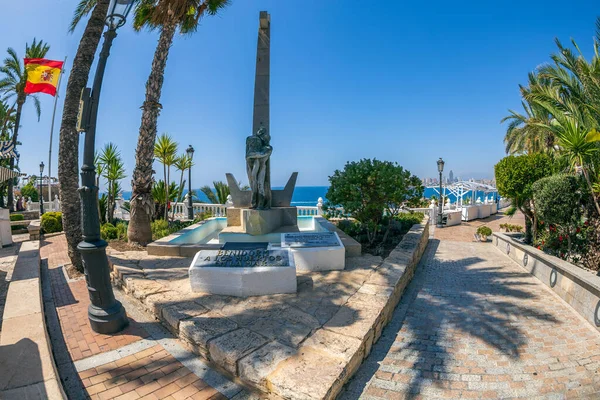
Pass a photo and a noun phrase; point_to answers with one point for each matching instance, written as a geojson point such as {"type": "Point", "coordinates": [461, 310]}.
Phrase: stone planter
{"type": "Point", "coordinates": [577, 286]}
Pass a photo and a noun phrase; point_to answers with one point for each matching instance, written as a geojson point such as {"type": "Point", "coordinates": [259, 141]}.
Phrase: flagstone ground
{"type": "Point", "coordinates": [143, 361]}
{"type": "Point", "coordinates": [473, 324]}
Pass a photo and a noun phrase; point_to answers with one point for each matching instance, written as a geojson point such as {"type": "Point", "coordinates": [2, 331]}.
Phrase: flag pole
{"type": "Point", "coordinates": [51, 133]}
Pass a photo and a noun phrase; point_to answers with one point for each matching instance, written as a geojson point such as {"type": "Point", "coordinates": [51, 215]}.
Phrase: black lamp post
{"type": "Point", "coordinates": [190, 154]}
{"type": "Point", "coordinates": [41, 187]}
{"type": "Point", "coordinates": [440, 165]}
{"type": "Point", "coordinates": [105, 313]}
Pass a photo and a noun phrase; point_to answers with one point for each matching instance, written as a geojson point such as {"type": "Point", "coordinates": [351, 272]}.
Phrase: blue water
{"type": "Point", "coordinates": [303, 195]}
{"type": "Point", "coordinates": [429, 191]}
{"type": "Point", "coordinates": [308, 195]}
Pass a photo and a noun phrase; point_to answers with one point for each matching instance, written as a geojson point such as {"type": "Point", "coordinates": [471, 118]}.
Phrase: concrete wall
{"type": "Point", "coordinates": [577, 286]}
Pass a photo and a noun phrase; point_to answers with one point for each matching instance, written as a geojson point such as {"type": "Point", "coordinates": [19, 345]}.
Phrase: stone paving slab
{"type": "Point", "coordinates": [473, 324]}
{"type": "Point", "coordinates": [297, 346]}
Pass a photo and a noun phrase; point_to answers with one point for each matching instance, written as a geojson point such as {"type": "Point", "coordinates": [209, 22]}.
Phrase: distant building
{"type": "Point", "coordinates": [451, 176]}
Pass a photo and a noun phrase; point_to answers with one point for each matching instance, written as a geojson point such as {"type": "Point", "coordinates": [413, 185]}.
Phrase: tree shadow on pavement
{"type": "Point", "coordinates": [449, 296]}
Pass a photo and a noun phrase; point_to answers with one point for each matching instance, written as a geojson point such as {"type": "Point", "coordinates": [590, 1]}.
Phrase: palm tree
{"type": "Point", "coordinates": [113, 171]}
{"type": "Point", "coordinates": [166, 15]}
{"type": "Point", "coordinates": [165, 150]}
{"type": "Point", "coordinates": [523, 134]}
{"type": "Point", "coordinates": [68, 150]}
{"type": "Point", "coordinates": [182, 164]}
{"type": "Point", "coordinates": [220, 193]}
{"type": "Point", "coordinates": [12, 85]}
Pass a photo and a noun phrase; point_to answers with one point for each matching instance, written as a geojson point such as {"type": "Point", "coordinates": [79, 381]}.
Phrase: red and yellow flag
{"type": "Point", "coordinates": [42, 75]}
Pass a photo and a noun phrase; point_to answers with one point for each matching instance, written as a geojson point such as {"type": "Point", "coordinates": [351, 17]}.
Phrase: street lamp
{"type": "Point", "coordinates": [105, 313]}
{"type": "Point", "coordinates": [190, 154]}
{"type": "Point", "coordinates": [41, 187]}
{"type": "Point", "coordinates": [440, 165]}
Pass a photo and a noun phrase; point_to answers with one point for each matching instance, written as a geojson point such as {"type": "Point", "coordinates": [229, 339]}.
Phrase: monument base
{"type": "Point", "coordinates": [243, 272]}
{"type": "Point", "coordinates": [261, 222]}
{"type": "Point", "coordinates": [315, 251]}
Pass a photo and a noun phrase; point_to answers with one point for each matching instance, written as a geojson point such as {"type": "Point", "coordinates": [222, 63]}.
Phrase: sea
{"type": "Point", "coordinates": [309, 195]}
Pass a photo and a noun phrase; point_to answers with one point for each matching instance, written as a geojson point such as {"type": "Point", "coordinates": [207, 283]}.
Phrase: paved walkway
{"type": "Point", "coordinates": [8, 258]}
{"type": "Point", "coordinates": [142, 362]}
{"type": "Point", "coordinates": [473, 324]}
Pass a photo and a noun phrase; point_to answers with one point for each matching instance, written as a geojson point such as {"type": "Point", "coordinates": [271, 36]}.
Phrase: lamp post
{"type": "Point", "coordinates": [41, 187]}
{"type": "Point", "coordinates": [190, 154]}
{"type": "Point", "coordinates": [440, 165]}
{"type": "Point", "coordinates": [105, 313]}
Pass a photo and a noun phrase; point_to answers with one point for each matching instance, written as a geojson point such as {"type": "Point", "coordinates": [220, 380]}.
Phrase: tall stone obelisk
{"type": "Point", "coordinates": [261, 79]}
{"type": "Point", "coordinates": [261, 89]}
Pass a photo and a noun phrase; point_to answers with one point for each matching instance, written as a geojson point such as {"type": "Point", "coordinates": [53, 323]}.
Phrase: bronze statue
{"type": "Point", "coordinates": [258, 153]}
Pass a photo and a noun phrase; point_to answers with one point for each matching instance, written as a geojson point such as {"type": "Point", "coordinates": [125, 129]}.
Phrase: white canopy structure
{"type": "Point", "coordinates": [463, 188]}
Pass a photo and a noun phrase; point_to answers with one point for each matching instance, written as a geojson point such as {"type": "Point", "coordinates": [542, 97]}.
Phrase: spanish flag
{"type": "Point", "coordinates": [42, 75]}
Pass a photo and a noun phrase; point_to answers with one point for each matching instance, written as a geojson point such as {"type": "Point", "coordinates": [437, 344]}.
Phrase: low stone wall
{"type": "Point", "coordinates": [304, 345]}
{"type": "Point", "coordinates": [27, 368]}
{"type": "Point", "coordinates": [578, 287]}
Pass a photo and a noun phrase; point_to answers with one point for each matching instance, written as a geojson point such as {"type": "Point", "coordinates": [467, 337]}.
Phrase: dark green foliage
{"type": "Point", "coordinates": [52, 222]}
{"type": "Point", "coordinates": [398, 227]}
{"type": "Point", "coordinates": [368, 189]}
{"type": "Point", "coordinates": [515, 176]}
{"type": "Point", "coordinates": [103, 207]}
{"type": "Point", "coordinates": [17, 217]}
{"type": "Point", "coordinates": [31, 191]}
{"type": "Point", "coordinates": [121, 230]}
{"type": "Point", "coordinates": [108, 231]}
{"type": "Point", "coordinates": [484, 231]}
{"type": "Point", "coordinates": [558, 201]}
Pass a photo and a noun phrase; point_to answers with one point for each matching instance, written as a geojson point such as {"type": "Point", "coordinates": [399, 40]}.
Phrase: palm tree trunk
{"type": "Point", "coordinates": [166, 177]}
{"type": "Point", "coordinates": [142, 204]}
{"type": "Point", "coordinates": [9, 196]}
{"type": "Point", "coordinates": [179, 199]}
{"type": "Point", "coordinates": [68, 151]}
{"type": "Point", "coordinates": [111, 202]}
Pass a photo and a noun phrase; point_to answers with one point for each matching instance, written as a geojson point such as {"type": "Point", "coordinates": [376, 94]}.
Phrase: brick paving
{"type": "Point", "coordinates": [150, 373]}
{"type": "Point", "coordinates": [465, 231]}
{"type": "Point", "coordinates": [473, 324]}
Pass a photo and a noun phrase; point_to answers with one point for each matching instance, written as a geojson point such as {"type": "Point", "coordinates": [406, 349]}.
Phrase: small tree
{"type": "Point", "coordinates": [514, 177]}
{"type": "Point", "coordinates": [368, 189]}
{"type": "Point", "coordinates": [558, 201]}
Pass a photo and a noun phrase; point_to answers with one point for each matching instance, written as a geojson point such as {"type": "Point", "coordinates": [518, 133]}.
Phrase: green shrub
{"type": "Point", "coordinates": [52, 222]}
{"type": "Point", "coordinates": [484, 231]}
{"type": "Point", "coordinates": [17, 217]}
{"type": "Point", "coordinates": [558, 201]}
{"type": "Point", "coordinates": [370, 191]}
{"type": "Point", "coordinates": [108, 231]}
{"type": "Point", "coordinates": [30, 190]}
{"type": "Point", "coordinates": [409, 219]}
{"type": "Point", "coordinates": [121, 230]}
{"type": "Point", "coordinates": [160, 228]}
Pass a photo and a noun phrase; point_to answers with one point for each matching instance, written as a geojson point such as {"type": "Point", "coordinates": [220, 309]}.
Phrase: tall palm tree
{"type": "Point", "coordinates": [165, 150]}
{"type": "Point", "coordinates": [68, 150]}
{"type": "Point", "coordinates": [113, 170]}
{"type": "Point", "coordinates": [182, 164]}
{"type": "Point", "coordinates": [12, 85]}
{"type": "Point", "coordinates": [166, 15]}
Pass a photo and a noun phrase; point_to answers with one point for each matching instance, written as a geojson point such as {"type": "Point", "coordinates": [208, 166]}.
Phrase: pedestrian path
{"type": "Point", "coordinates": [142, 362]}
{"type": "Point", "coordinates": [473, 324]}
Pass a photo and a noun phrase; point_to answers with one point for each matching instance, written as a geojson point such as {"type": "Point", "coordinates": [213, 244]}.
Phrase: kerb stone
{"type": "Point", "coordinates": [226, 350]}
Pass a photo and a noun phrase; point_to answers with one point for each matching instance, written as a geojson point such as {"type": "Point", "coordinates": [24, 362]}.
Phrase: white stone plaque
{"type": "Point", "coordinates": [310, 239]}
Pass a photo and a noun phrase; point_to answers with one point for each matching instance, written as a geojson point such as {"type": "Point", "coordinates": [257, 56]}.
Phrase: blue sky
{"type": "Point", "coordinates": [400, 81]}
